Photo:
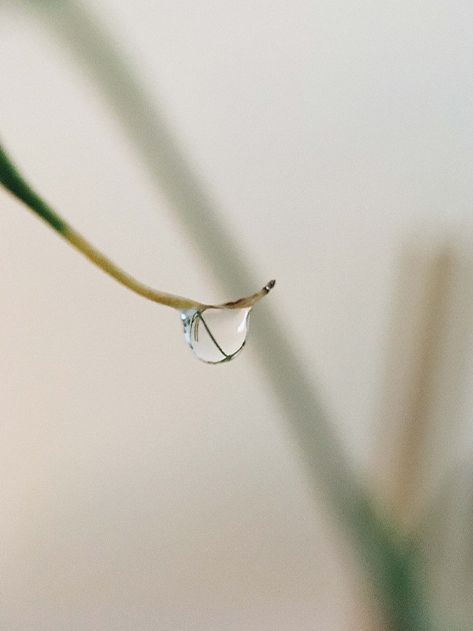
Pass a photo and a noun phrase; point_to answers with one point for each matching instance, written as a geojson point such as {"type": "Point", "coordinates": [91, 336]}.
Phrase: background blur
{"type": "Point", "coordinates": [142, 489]}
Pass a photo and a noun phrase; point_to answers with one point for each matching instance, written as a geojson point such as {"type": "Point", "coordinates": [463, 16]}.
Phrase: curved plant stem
{"type": "Point", "coordinates": [16, 184]}
{"type": "Point", "coordinates": [388, 562]}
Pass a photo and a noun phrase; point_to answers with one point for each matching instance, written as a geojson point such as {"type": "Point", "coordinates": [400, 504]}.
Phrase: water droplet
{"type": "Point", "coordinates": [216, 335]}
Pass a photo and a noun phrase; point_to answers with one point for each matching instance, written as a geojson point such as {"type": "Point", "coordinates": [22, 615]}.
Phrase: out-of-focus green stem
{"type": "Point", "coordinates": [388, 562]}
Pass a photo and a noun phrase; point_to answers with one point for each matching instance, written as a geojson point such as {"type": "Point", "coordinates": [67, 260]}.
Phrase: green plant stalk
{"type": "Point", "coordinates": [390, 564]}
{"type": "Point", "coordinates": [16, 184]}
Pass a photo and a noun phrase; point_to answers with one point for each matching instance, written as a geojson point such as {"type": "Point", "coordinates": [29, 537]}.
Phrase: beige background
{"type": "Point", "coordinates": [142, 489]}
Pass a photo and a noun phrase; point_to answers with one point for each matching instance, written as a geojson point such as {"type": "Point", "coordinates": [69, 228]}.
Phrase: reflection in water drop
{"type": "Point", "coordinates": [216, 335]}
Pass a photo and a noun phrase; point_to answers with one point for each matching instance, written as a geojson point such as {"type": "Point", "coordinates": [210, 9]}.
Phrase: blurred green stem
{"type": "Point", "coordinates": [390, 564]}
